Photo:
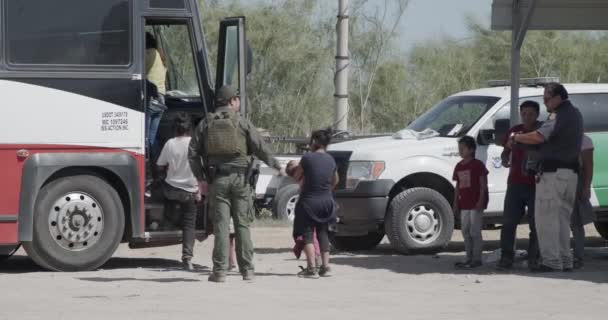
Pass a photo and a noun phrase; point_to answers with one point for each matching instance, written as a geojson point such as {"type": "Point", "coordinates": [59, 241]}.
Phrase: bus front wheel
{"type": "Point", "coordinates": [78, 224]}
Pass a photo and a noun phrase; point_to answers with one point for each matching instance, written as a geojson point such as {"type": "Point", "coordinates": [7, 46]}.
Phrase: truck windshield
{"type": "Point", "coordinates": [454, 116]}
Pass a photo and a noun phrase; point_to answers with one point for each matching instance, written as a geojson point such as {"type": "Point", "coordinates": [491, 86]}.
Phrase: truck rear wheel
{"type": "Point", "coordinates": [602, 229]}
{"type": "Point", "coordinates": [367, 242]}
{"type": "Point", "coordinates": [78, 224]}
{"type": "Point", "coordinates": [419, 220]}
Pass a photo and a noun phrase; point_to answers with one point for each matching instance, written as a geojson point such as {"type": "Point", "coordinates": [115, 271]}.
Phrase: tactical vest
{"type": "Point", "coordinates": [224, 136]}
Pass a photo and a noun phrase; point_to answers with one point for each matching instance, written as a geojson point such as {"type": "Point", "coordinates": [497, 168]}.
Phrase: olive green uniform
{"type": "Point", "coordinates": [230, 195]}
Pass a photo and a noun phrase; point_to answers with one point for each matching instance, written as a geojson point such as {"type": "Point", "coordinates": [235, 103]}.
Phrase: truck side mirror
{"type": "Point", "coordinates": [485, 137]}
{"type": "Point", "coordinates": [501, 129]}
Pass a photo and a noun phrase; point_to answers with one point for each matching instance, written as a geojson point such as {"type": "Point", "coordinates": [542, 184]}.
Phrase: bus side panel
{"type": "Point", "coordinates": [126, 167]}
{"type": "Point", "coordinates": [10, 185]}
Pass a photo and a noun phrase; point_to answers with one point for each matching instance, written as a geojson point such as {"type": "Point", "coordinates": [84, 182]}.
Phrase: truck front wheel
{"type": "Point", "coordinates": [419, 220]}
{"type": "Point", "coordinates": [78, 223]}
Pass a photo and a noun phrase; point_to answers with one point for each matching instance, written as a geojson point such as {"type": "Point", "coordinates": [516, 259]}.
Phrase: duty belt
{"type": "Point", "coordinates": [227, 170]}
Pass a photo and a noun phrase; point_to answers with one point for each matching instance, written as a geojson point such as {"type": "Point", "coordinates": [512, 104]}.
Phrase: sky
{"type": "Point", "coordinates": [430, 19]}
{"type": "Point", "coordinates": [425, 19]}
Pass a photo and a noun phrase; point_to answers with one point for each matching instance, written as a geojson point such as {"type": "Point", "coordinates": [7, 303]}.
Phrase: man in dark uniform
{"type": "Point", "coordinates": [560, 138]}
{"type": "Point", "coordinates": [220, 152]}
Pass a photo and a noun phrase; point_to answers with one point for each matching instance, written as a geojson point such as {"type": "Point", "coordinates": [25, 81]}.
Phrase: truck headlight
{"type": "Point", "coordinates": [363, 171]}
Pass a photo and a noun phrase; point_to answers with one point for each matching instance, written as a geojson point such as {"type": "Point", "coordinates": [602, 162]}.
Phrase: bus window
{"type": "Point", "coordinates": [68, 32]}
{"type": "Point", "coordinates": [231, 58]}
{"type": "Point", "coordinates": [175, 43]}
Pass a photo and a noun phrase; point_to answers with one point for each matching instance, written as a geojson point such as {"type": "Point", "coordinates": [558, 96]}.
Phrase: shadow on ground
{"type": "Point", "coordinates": [385, 258]}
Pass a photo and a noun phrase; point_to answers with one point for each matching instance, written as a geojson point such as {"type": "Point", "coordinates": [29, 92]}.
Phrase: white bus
{"type": "Point", "coordinates": [72, 141]}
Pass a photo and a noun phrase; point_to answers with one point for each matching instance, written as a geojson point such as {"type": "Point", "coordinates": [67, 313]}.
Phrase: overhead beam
{"type": "Point", "coordinates": [553, 14]}
{"type": "Point", "coordinates": [525, 24]}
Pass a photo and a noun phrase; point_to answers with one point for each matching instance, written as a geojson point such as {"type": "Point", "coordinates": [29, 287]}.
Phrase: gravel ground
{"type": "Point", "coordinates": [148, 284]}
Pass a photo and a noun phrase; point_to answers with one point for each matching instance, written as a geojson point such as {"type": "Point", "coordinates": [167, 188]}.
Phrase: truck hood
{"type": "Point", "coordinates": [398, 146]}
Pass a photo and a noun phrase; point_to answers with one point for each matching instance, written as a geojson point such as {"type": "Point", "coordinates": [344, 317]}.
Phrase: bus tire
{"type": "Point", "coordinates": [419, 220]}
{"type": "Point", "coordinates": [78, 224]}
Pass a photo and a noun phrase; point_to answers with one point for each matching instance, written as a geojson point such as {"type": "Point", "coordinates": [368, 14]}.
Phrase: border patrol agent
{"type": "Point", "coordinates": [560, 138]}
{"type": "Point", "coordinates": [224, 141]}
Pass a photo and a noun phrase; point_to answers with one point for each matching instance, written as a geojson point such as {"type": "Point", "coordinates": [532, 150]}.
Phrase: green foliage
{"type": "Point", "coordinates": [291, 87]}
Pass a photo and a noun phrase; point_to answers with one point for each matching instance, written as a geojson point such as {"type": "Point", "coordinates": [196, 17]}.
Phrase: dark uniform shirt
{"type": "Point", "coordinates": [255, 146]}
{"type": "Point", "coordinates": [563, 136]}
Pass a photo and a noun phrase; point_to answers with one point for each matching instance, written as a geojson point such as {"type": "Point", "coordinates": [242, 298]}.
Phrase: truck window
{"type": "Point", "coordinates": [68, 32]}
{"type": "Point", "coordinates": [594, 108]}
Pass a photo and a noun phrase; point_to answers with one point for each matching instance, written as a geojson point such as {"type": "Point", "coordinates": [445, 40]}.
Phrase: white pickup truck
{"type": "Point", "coordinates": [401, 185]}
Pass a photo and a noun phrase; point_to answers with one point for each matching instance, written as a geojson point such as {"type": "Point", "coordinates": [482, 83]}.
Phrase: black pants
{"type": "Point", "coordinates": [322, 235]}
{"type": "Point", "coordinates": [180, 203]}
{"type": "Point", "coordinates": [518, 197]}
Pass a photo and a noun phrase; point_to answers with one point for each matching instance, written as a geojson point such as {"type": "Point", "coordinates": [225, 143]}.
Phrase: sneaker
{"type": "Point", "coordinates": [325, 271]}
{"type": "Point", "coordinates": [248, 275]}
{"type": "Point", "coordinates": [308, 273]}
{"type": "Point", "coordinates": [578, 264]}
{"type": "Point", "coordinates": [217, 277]}
{"type": "Point", "coordinates": [231, 267]}
{"type": "Point", "coordinates": [475, 264]}
{"type": "Point", "coordinates": [187, 264]}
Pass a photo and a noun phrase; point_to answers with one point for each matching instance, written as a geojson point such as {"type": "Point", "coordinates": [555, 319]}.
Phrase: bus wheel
{"type": "Point", "coordinates": [78, 224]}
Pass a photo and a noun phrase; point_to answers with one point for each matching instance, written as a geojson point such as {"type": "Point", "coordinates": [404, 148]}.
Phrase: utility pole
{"type": "Point", "coordinates": [342, 66]}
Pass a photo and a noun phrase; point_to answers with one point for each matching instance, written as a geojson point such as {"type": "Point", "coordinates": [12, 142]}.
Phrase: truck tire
{"type": "Point", "coordinates": [366, 242]}
{"type": "Point", "coordinates": [419, 220]}
{"type": "Point", "coordinates": [284, 203]}
{"type": "Point", "coordinates": [78, 224]}
{"type": "Point", "coordinates": [602, 229]}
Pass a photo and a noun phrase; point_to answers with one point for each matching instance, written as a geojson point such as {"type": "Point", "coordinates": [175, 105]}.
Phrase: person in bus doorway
{"type": "Point", "coordinates": [156, 73]}
{"type": "Point", "coordinates": [560, 139]}
{"type": "Point", "coordinates": [315, 210]}
{"type": "Point", "coordinates": [220, 153]}
{"type": "Point", "coordinates": [521, 189]}
{"type": "Point", "coordinates": [470, 200]}
{"type": "Point", "coordinates": [180, 187]}
{"type": "Point", "coordinates": [583, 211]}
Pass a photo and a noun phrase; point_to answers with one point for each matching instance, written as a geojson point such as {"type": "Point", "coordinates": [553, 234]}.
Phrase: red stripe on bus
{"type": "Point", "coordinates": [11, 168]}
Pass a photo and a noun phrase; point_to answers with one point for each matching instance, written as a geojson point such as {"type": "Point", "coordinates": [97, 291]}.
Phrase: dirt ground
{"type": "Point", "coordinates": [148, 284]}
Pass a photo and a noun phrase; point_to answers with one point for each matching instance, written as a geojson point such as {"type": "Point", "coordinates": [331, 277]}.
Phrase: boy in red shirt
{"type": "Point", "coordinates": [521, 189]}
{"type": "Point", "coordinates": [470, 199]}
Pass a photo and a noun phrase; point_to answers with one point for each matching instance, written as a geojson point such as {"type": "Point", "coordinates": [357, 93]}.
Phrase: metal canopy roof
{"type": "Point", "coordinates": [522, 15]}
